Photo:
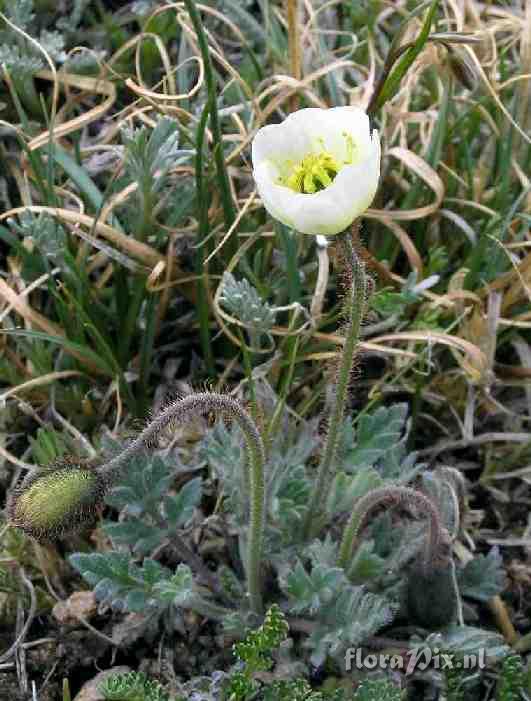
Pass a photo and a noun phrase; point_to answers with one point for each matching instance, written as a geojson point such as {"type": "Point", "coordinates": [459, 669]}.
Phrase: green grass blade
{"type": "Point", "coordinates": [394, 78]}
{"type": "Point", "coordinates": [202, 248]}
{"type": "Point", "coordinates": [229, 212]}
{"type": "Point", "coordinates": [75, 349]}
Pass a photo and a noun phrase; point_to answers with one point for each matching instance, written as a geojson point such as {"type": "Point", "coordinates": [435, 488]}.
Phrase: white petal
{"type": "Point", "coordinates": [309, 130]}
{"type": "Point", "coordinates": [333, 209]}
{"type": "Point", "coordinates": [357, 124]}
{"type": "Point", "coordinates": [279, 143]}
{"type": "Point", "coordinates": [281, 202]}
{"type": "Point", "coordinates": [354, 187]}
{"type": "Point", "coordinates": [330, 126]}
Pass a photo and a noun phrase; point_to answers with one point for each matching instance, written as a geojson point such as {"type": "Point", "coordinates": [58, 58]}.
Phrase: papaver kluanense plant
{"type": "Point", "coordinates": [317, 172]}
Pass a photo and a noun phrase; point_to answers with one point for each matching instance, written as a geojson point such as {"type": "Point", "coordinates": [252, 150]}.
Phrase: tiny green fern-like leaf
{"type": "Point", "coordinates": [254, 654]}
{"type": "Point", "coordinates": [511, 681]}
{"type": "Point", "coordinates": [377, 690]}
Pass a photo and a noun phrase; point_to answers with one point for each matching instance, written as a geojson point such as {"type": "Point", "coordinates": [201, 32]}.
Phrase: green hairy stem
{"type": "Point", "coordinates": [200, 403]}
{"type": "Point", "coordinates": [388, 497]}
{"type": "Point", "coordinates": [354, 312]}
{"type": "Point", "coordinates": [208, 609]}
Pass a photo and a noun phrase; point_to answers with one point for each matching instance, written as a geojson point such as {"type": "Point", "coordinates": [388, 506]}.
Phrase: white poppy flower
{"type": "Point", "coordinates": [318, 170]}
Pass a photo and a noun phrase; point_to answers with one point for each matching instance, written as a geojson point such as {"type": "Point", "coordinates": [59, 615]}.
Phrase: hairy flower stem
{"type": "Point", "coordinates": [208, 609]}
{"type": "Point", "coordinates": [388, 497]}
{"type": "Point", "coordinates": [200, 403]}
{"type": "Point", "coordinates": [354, 311]}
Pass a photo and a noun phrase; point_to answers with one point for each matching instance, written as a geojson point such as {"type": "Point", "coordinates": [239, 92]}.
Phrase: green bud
{"type": "Point", "coordinates": [55, 500]}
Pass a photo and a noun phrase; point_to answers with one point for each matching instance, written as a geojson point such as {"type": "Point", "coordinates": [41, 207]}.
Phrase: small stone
{"type": "Point", "coordinates": [130, 628]}
{"type": "Point", "coordinates": [90, 690]}
{"type": "Point", "coordinates": [80, 603]}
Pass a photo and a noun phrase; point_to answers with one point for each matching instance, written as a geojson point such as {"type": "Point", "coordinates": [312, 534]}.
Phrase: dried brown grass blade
{"type": "Point", "coordinates": [474, 367]}
{"type": "Point", "coordinates": [427, 174]}
{"type": "Point", "coordinates": [91, 85]}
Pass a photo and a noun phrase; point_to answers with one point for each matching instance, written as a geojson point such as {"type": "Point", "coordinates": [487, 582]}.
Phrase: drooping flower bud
{"type": "Point", "coordinates": [58, 498]}
{"type": "Point", "coordinates": [430, 596]}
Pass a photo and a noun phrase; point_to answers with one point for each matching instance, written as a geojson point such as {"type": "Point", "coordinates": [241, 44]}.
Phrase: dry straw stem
{"type": "Point", "coordinates": [134, 248]}
{"type": "Point", "coordinates": [248, 202]}
{"type": "Point", "coordinates": [475, 366]}
{"type": "Point", "coordinates": [153, 96]}
{"type": "Point", "coordinates": [517, 280]}
{"type": "Point", "coordinates": [482, 439]}
{"type": "Point", "coordinates": [27, 290]}
{"type": "Point", "coordinates": [501, 615]}
{"type": "Point", "coordinates": [424, 171]}
{"type": "Point", "coordinates": [90, 85]}
{"type": "Point", "coordinates": [48, 378]}
{"type": "Point", "coordinates": [409, 248]}
{"type": "Point", "coordinates": [26, 581]}
{"type": "Point", "coordinates": [13, 460]}
{"type": "Point", "coordinates": [523, 101]}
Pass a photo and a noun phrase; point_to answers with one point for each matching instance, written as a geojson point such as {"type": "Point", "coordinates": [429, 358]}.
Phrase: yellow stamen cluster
{"type": "Point", "coordinates": [316, 171]}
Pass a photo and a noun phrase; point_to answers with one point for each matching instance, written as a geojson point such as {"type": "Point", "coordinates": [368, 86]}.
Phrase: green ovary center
{"type": "Point", "coordinates": [316, 171]}
{"type": "Point", "coordinates": [313, 173]}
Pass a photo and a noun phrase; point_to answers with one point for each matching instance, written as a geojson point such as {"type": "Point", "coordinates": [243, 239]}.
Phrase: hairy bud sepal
{"type": "Point", "coordinates": [57, 499]}
{"type": "Point", "coordinates": [431, 599]}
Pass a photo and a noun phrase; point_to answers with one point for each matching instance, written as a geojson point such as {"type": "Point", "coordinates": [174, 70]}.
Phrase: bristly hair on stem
{"type": "Point", "coordinates": [355, 305]}
{"type": "Point", "coordinates": [436, 543]}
